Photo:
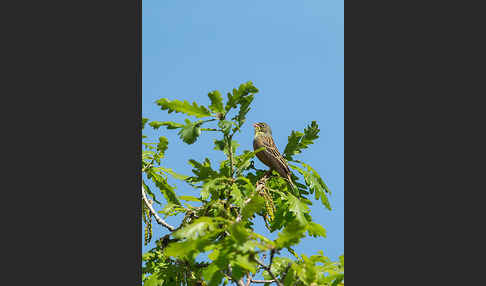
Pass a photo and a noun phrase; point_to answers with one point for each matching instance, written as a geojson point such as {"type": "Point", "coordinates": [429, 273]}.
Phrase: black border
{"type": "Point", "coordinates": [72, 214]}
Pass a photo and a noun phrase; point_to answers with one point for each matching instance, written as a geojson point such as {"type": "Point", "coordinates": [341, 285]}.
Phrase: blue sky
{"type": "Point", "coordinates": [293, 52]}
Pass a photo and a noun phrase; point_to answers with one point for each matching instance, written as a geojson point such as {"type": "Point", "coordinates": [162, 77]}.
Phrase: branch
{"type": "Point", "coordinates": [152, 211]}
{"type": "Point", "coordinates": [272, 253]}
{"type": "Point", "coordinates": [262, 281]}
{"type": "Point", "coordinates": [230, 152]}
{"type": "Point", "coordinates": [267, 268]}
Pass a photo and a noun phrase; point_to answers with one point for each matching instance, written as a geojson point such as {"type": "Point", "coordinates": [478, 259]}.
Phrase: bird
{"type": "Point", "coordinates": [270, 156]}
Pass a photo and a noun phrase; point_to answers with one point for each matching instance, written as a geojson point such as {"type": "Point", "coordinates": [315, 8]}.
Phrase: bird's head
{"type": "Point", "coordinates": [262, 127]}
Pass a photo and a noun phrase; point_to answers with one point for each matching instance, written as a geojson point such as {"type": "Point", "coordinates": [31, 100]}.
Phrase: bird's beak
{"type": "Point", "coordinates": [255, 125]}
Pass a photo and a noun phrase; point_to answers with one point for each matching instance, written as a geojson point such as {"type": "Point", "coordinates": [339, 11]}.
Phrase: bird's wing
{"type": "Point", "coordinates": [272, 149]}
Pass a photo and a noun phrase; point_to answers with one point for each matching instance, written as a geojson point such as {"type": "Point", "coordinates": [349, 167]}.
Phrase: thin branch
{"type": "Point", "coordinates": [272, 253]}
{"type": "Point", "coordinates": [152, 211]}
{"type": "Point", "coordinates": [248, 279]}
{"type": "Point", "coordinates": [230, 152]}
{"type": "Point", "coordinates": [148, 165]}
{"type": "Point", "coordinates": [267, 268]}
{"type": "Point", "coordinates": [261, 281]}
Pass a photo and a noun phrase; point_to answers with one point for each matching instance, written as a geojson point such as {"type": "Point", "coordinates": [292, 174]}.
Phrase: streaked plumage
{"type": "Point", "coordinates": [270, 156]}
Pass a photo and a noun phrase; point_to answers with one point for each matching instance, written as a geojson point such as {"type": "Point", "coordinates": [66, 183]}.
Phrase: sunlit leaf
{"type": "Point", "coordinates": [162, 145]}
{"type": "Point", "coordinates": [212, 186]}
{"type": "Point", "coordinates": [166, 189]}
{"type": "Point", "coordinates": [196, 110]}
{"type": "Point", "coordinates": [315, 183]}
{"type": "Point", "coordinates": [243, 161]}
{"type": "Point", "coordinates": [298, 141]}
{"type": "Point", "coordinates": [216, 102]}
{"type": "Point", "coordinates": [298, 208]}
{"type": "Point", "coordinates": [315, 229]}
{"type": "Point", "coordinates": [144, 121]}
{"type": "Point", "coordinates": [291, 235]}
{"type": "Point", "coordinates": [221, 145]}
{"type": "Point", "coordinates": [202, 171]}
{"type": "Point", "coordinates": [198, 228]}
{"type": "Point", "coordinates": [190, 131]}
{"type": "Point", "coordinates": [167, 124]}
{"type": "Point", "coordinates": [189, 198]}
{"type": "Point", "coordinates": [254, 205]}
{"type": "Point", "coordinates": [225, 125]}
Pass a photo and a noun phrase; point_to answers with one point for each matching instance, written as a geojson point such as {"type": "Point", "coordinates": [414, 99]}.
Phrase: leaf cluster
{"type": "Point", "coordinates": [215, 242]}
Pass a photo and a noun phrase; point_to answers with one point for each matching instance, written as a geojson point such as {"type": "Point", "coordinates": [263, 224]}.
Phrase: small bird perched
{"type": "Point", "coordinates": [270, 156]}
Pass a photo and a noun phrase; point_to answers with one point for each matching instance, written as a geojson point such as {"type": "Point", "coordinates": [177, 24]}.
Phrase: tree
{"type": "Point", "coordinates": [231, 198]}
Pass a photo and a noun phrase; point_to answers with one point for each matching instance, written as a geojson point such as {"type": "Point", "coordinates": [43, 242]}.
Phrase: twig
{"type": "Point", "coordinates": [230, 152]}
{"type": "Point", "coordinates": [272, 253]}
{"type": "Point", "coordinates": [148, 165]}
{"type": "Point", "coordinates": [152, 211]}
{"type": "Point", "coordinates": [261, 281]}
{"type": "Point", "coordinates": [267, 268]}
{"type": "Point", "coordinates": [248, 279]}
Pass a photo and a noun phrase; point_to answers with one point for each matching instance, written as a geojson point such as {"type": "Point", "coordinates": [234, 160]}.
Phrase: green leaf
{"type": "Point", "coordinates": [144, 121]}
{"type": "Point", "coordinates": [181, 249]}
{"type": "Point", "coordinates": [291, 235]}
{"type": "Point", "coordinates": [315, 229]}
{"type": "Point", "coordinates": [245, 262]}
{"type": "Point", "coordinates": [171, 209]}
{"type": "Point", "coordinates": [172, 173]}
{"type": "Point", "coordinates": [279, 265]}
{"type": "Point", "coordinates": [225, 125]}
{"type": "Point", "coordinates": [190, 131]}
{"type": "Point", "coordinates": [239, 232]}
{"type": "Point", "coordinates": [198, 228]}
{"type": "Point", "coordinates": [315, 183]}
{"type": "Point", "coordinates": [212, 187]}
{"type": "Point", "coordinates": [246, 185]}
{"type": "Point", "coordinates": [338, 279]}
{"type": "Point", "coordinates": [166, 189]}
{"type": "Point", "coordinates": [220, 145]}
{"type": "Point", "coordinates": [168, 124]}
{"type": "Point", "coordinates": [212, 274]}
{"type": "Point", "coordinates": [153, 281]}
{"type": "Point", "coordinates": [216, 102]}
{"type": "Point", "coordinates": [308, 273]}
{"type": "Point", "coordinates": [162, 145]}
{"type": "Point", "coordinates": [189, 198]}
{"type": "Point", "coordinates": [235, 98]}
{"type": "Point", "coordinates": [243, 161]}
{"type": "Point", "coordinates": [183, 107]}
{"type": "Point", "coordinates": [254, 205]}
{"type": "Point", "coordinates": [203, 171]}
{"type": "Point", "coordinates": [298, 141]}
{"type": "Point", "coordinates": [244, 108]}
{"type": "Point", "coordinates": [298, 208]}
{"type": "Point", "coordinates": [236, 195]}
